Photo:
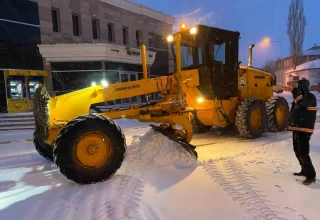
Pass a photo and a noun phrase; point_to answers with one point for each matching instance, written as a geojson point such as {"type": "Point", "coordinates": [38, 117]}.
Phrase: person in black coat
{"type": "Point", "coordinates": [303, 114]}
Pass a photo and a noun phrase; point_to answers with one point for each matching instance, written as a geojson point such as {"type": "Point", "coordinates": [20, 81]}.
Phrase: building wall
{"type": "Point", "coordinates": [105, 13]}
{"type": "Point", "coordinates": [313, 75]}
{"type": "Point", "coordinates": [286, 64]}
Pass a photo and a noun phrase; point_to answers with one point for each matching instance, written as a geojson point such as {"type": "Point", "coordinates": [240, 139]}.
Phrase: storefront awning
{"type": "Point", "coordinates": [93, 52]}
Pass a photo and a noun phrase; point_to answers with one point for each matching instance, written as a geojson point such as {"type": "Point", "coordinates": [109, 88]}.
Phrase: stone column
{"type": "Point", "coordinates": [48, 79]}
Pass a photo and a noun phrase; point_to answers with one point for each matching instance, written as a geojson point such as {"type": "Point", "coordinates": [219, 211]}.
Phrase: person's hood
{"type": "Point", "coordinates": [304, 85]}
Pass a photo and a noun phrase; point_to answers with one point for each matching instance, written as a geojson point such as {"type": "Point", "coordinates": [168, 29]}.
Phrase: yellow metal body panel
{"type": "Point", "coordinates": [26, 73]}
{"type": "Point", "coordinates": [254, 83]}
{"type": "Point", "coordinates": [17, 106]}
{"type": "Point", "coordinates": [25, 104]}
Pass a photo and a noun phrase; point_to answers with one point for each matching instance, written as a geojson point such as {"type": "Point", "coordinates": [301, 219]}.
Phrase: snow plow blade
{"type": "Point", "coordinates": [169, 132]}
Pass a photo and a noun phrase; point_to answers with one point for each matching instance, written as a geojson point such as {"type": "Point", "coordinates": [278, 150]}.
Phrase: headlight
{"type": "Point", "coordinates": [200, 100]}
{"type": "Point", "coordinates": [193, 31]}
{"type": "Point", "coordinates": [93, 84]}
{"type": "Point", "coordinates": [104, 83]}
{"type": "Point", "coordinates": [170, 38]}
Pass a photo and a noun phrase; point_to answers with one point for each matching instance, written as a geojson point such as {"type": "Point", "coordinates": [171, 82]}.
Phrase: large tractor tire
{"type": "Point", "coordinates": [42, 148]}
{"type": "Point", "coordinates": [251, 118]}
{"type": "Point", "coordinates": [89, 149]}
{"type": "Point", "coordinates": [198, 127]}
{"type": "Point", "coordinates": [277, 114]}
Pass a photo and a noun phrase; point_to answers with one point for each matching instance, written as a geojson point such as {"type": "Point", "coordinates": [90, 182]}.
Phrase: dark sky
{"type": "Point", "coordinates": [254, 19]}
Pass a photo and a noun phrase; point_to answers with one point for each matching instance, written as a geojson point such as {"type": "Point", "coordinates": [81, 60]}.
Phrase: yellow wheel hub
{"type": "Point", "coordinates": [280, 114]}
{"type": "Point", "coordinates": [93, 150]}
{"type": "Point", "coordinates": [255, 119]}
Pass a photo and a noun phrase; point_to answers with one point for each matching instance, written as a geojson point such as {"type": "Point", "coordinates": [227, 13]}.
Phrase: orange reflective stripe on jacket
{"type": "Point", "coordinates": [312, 108]}
{"type": "Point", "coordinates": [308, 130]}
{"type": "Point", "coordinates": [298, 98]}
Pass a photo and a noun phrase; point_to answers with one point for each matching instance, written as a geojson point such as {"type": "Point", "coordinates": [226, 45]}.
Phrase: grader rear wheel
{"type": "Point", "coordinates": [277, 114]}
{"type": "Point", "coordinates": [251, 118]}
{"type": "Point", "coordinates": [89, 149]}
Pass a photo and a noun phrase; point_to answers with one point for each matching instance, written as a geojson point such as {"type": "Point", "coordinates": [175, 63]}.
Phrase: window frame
{"type": "Point", "coordinates": [125, 39]}
{"type": "Point", "coordinates": [79, 25]}
{"type": "Point", "coordinates": [110, 27]}
{"type": "Point", "coordinates": [97, 28]}
{"type": "Point", "coordinates": [138, 38]}
{"type": "Point", "coordinates": [57, 11]}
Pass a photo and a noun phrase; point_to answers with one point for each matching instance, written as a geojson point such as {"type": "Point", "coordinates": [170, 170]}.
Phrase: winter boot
{"type": "Point", "coordinates": [302, 173]}
{"type": "Point", "coordinates": [308, 181]}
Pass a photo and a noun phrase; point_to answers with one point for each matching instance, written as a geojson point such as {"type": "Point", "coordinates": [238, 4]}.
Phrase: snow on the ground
{"type": "Point", "coordinates": [232, 179]}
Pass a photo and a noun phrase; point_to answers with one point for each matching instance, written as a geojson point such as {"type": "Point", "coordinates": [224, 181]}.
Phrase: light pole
{"type": "Point", "coordinates": [267, 40]}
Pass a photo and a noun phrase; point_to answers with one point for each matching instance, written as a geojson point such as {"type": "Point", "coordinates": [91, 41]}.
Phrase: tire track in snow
{"type": "Point", "coordinates": [241, 187]}
{"type": "Point", "coordinates": [245, 179]}
{"type": "Point", "coordinates": [116, 198]}
{"type": "Point", "coordinates": [122, 199]}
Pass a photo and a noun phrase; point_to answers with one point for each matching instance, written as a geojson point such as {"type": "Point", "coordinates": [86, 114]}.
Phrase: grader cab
{"type": "Point", "coordinates": [208, 88]}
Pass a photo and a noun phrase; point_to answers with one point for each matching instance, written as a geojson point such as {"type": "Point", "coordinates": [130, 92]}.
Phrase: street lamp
{"type": "Point", "coordinates": [268, 40]}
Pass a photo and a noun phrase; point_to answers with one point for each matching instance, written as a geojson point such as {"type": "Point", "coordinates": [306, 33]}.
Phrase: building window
{"type": "Point", "coordinates": [95, 29]}
{"type": "Point", "coordinates": [76, 24]}
{"type": "Point", "coordinates": [125, 35]}
{"type": "Point", "coordinates": [55, 20]}
{"type": "Point", "coordinates": [110, 32]}
{"type": "Point", "coordinates": [138, 37]}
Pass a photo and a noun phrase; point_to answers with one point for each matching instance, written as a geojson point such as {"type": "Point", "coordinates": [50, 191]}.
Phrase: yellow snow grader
{"type": "Point", "coordinates": [208, 88]}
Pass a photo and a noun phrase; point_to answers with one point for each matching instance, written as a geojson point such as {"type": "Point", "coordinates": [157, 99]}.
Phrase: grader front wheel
{"type": "Point", "coordinates": [89, 149]}
{"type": "Point", "coordinates": [251, 118]}
{"type": "Point", "coordinates": [277, 114]}
{"type": "Point", "coordinates": [42, 148]}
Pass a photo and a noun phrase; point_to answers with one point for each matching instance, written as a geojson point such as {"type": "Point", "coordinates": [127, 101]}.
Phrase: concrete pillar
{"type": "Point", "coordinates": [48, 79]}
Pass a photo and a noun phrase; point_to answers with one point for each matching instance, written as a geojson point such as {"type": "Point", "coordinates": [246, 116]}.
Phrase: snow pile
{"type": "Point", "coordinates": [159, 151]}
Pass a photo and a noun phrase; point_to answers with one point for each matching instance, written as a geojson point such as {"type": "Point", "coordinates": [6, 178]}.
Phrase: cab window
{"type": "Point", "coordinates": [220, 52]}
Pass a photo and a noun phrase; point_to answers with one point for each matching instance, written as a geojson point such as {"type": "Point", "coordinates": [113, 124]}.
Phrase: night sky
{"type": "Point", "coordinates": [254, 19]}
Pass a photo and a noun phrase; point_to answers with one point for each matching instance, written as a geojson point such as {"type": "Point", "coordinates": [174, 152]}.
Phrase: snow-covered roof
{"type": "Point", "coordinates": [315, 64]}
{"type": "Point", "coordinates": [313, 52]}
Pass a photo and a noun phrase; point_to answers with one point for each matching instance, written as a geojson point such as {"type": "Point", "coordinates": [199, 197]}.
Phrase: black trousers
{"type": "Point", "coordinates": [301, 147]}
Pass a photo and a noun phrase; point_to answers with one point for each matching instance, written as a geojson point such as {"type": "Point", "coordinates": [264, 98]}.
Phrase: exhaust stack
{"type": "Point", "coordinates": [250, 55]}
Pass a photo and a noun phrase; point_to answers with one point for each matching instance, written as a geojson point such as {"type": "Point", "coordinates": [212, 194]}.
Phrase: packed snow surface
{"type": "Point", "coordinates": [232, 178]}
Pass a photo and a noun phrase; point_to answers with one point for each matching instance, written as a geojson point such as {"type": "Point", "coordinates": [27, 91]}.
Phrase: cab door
{"type": "Point", "coordinates": [16, 94]}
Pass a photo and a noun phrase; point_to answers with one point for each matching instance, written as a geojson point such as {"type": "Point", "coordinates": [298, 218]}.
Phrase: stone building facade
{"type": "Point", "coordinates": [115, 25]}
{"type": "Point", "coordinates": [107, 21]}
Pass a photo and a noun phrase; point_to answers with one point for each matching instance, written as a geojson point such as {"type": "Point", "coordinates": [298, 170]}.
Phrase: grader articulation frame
{"type": "Point", "coordinates": [208, 88]}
